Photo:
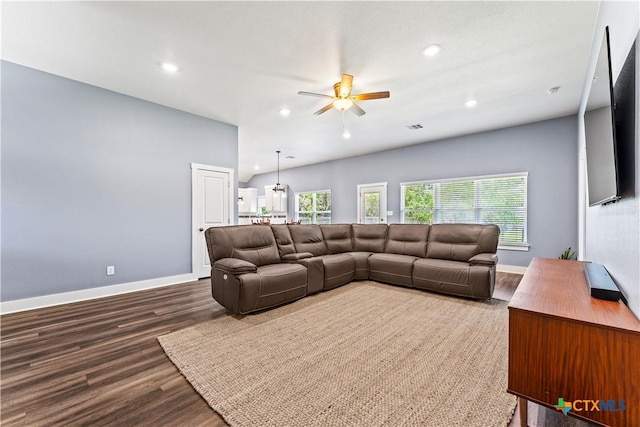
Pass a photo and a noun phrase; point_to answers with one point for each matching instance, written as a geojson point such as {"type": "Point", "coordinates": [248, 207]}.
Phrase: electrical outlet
{"type": "Point", "coordinates": [111, 270]}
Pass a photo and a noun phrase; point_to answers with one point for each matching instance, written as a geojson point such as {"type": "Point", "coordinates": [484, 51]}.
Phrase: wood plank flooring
{"type": "Point", "coordinates": [98, 362]}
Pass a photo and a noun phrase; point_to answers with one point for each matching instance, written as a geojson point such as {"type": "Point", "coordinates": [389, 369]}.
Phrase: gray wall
{"type": "Point", "coordinates": [612, 232]}
{"type": "Point", "coordinates": [92, 178]}
{"type": "Point", "coordinates": [547, 150]}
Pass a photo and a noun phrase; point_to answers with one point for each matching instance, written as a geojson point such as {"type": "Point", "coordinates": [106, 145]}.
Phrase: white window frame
{"type": "Point", "coordinates": [502, 245]}
{"type": "Point", "coordinates": [314, 212]}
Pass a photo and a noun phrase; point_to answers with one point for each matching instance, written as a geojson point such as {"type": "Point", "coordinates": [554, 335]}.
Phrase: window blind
{"type": "Point", "coordinates": [496, 199]}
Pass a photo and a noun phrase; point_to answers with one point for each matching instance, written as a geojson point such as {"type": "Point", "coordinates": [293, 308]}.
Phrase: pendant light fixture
{"type": "Point", "coordinates": [278, 188]}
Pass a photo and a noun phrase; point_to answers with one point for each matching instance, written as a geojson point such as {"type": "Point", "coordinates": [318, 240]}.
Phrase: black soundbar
{"type": "Point", "coordinates": [601, 284]}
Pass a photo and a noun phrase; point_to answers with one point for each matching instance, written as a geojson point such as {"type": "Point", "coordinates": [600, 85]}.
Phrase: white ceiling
{"type": "Point", "coordinates": [241, 62]}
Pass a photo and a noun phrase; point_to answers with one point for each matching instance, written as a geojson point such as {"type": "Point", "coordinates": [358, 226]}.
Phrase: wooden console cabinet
{"type": "Point", "coordinates": [565, 344]}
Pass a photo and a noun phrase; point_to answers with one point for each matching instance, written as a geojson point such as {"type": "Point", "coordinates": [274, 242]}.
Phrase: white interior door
{"type": "Point", "coordinates": [211, 204]}
{"type": "Point", "coordinates": [372, 203]}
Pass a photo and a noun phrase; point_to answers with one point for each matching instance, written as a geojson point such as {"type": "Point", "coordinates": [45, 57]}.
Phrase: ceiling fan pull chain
{"type": "Point", "coordinates": [344, 131]}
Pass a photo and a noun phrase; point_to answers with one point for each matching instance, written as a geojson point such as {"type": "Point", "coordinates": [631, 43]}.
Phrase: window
{"type": "Point", "coordinates": [496, 199]}
{"type": "Point", "coordinates": [313, 207]}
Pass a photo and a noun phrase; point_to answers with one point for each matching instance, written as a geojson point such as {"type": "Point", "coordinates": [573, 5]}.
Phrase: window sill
{"type": "Point", "coordinates": [523, 248]}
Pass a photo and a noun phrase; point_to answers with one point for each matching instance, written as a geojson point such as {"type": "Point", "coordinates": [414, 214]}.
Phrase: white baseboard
{"type": "Point", "coordinates": [93, 293]}
{"type": "Point", "coordinates": [123, 288]}
{"type": "Point", "coordinates": [511, 269]}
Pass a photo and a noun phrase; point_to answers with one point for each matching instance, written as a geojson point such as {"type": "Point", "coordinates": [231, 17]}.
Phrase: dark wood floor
{"type": "Point", "coordinates": [98, 362]}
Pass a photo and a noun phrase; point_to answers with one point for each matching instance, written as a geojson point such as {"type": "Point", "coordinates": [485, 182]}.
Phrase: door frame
{"type": "Point", "coordinates": [375, 184]}
{"type": "Point", "coordinates": [195, 233]}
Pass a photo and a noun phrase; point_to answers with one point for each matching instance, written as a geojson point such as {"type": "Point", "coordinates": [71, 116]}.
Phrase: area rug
{"type": "Point", "coordinates": [365, 354]}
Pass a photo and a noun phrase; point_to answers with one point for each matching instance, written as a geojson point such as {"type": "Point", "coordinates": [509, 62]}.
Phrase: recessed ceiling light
{"type": "Point", "coordinates": [285, 112]}
{"type": "Point", "coordinates": [169, 67]}
{"type": "Point", "coordinates": [554, 89]}
{"type": "Point", "coordinates": [432, 49]}
{"type": "Point", "coordinates": [346, 134]}
{"type": "Point", "coordinates": [471, 103]}
{"type": "Point", "coordinates": [256, 167]}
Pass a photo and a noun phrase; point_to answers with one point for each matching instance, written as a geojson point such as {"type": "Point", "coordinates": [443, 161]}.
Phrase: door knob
{"type": "Point", "coordinates": [202, 229]}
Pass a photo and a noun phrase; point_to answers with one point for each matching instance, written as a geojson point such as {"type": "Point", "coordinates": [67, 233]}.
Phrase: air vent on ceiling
{"type": "Point", "coordinates": [414, 127]}
{"type": "Point", "coordinates": [290, 157]}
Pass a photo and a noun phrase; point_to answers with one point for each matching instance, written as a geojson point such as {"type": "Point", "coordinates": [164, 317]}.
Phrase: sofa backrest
{"type": "Point", "coordinates": [308, 238]}
{"type": "Point", "coordinates": [407, 239]}
{"type": "Point", "coordinates": [337, 237]}
{"type": "Point", "coordinates": [253, 243]}
{"type": "Point", "coordinates": [283, 239]}
{"type": "Point", "coordinates": [459, 242]}
{"type": "Point", "coordinates": [369, 237]}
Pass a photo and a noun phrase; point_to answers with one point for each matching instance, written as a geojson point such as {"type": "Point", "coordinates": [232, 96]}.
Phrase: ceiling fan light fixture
{"type": "Point", "coordinates": [344, 99]}
{"type": "Point", "coordinates": [342, 104]}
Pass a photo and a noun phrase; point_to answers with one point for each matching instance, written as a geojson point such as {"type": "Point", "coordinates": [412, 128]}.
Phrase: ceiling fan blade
{"type": "Point", "coordinates": [357, 110]}
{"type": "Point", "coordinates": [345, 85]}
{"type": "Point", "coordinates": [370, 95]}
{"type": "Point", "coordinates": [322, 110]}
{"type": "Point", "coordinates": [321, 95]}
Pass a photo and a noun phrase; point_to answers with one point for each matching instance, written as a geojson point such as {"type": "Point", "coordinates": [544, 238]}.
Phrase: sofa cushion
{"type": "Point", "coordinates": [253, 243]}
{"type": "Point", "coordinates": [337, 237]}
{"type": "Point", "coordinates": [391, 268]}
{"type": "Point", "coordinates": [460, 242]}
{"type": "Point", "coordinates": [338, 269]}
{"type": "Point", "coordinates": [453, 277]}
{"type": "Point", "coordinates": [308, 238]}
{"type": "Point", "coordinates": [283, 239]}
{"type": "Point", "coordinates": [218, 243]}
{"type": "Point", "coordinates": [369, 237]}
{"type": "Point", "coordinates": [272, 285]}
{"type": "Point", "coordinates": [362, 265]}
{"type": "Point", "coordinates": [407, 239]}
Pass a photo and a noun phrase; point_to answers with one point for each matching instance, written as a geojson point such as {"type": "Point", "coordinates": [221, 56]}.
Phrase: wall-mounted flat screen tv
{"type": "Point", "coordinates": [600, 135]}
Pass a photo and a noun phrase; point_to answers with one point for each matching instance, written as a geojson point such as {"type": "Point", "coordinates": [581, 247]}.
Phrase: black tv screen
{"type": "Point", "coordinates": [600, 136]}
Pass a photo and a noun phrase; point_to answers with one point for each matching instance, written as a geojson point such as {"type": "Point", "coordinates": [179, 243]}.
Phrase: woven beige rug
{"type": "Point", "coordinates": [365, 354]}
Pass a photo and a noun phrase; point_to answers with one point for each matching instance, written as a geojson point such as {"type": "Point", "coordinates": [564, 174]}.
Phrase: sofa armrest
{"type": "Point", "coordinates": [235, 266]}
{"type": "Point", "coordinates": [296, 257]}
{"type": "Point", "coordinates": [487, 259]}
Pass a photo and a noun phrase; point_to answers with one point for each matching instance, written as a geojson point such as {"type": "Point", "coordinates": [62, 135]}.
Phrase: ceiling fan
{"type": "Point", "coordinates": [343, 100]}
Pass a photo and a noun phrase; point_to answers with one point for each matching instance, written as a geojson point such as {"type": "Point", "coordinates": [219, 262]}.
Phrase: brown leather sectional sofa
{"type": "Point", "coordinates": [254, 267]}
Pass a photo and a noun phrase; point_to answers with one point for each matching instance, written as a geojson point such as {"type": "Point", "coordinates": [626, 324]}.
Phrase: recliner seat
{"type": "Point", "coordinates": [246, 272]}
{"type": "Point", "coordinates": [405, 244]}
